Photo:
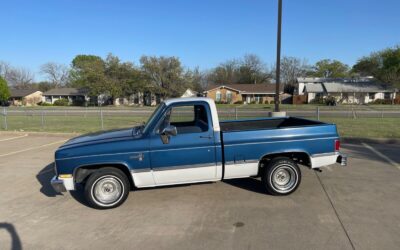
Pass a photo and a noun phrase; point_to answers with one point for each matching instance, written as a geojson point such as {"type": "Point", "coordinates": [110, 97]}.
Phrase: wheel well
{"type": "Point", "coordinates": [299, 157]}
{"type": "Point", "coordinates": [82, 173]}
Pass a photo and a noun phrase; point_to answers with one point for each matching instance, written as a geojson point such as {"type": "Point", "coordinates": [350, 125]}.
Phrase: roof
{"type": "Point", "coordinates": [313, 88]}
{"type": "Point", "coordinates": [265, 88]}
{"type": "Point", "coordinates": [358, 87]}
{"type": "Point", "coordinates": [346, 87]}
{"type": "Point", "coordinates": [189, 93]}
{"type": "Point", "coordinates": [324, 79]}
{"type": "Point", "coordinates": [66, 92]}
{"type": "Point", "coordinates": [22, 92]}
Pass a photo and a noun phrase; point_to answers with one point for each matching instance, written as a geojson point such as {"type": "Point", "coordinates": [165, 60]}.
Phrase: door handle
{"type": "Point", "coordinates": [205, 137]}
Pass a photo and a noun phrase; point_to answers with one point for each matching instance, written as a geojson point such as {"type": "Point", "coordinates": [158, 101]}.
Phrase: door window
{"type": "Point", "coordinates": [187, 119]}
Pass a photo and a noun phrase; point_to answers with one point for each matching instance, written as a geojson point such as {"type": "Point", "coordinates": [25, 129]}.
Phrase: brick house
{"type": "Point", "coordinates": [25, 97]}
{"type": "Point", "coordinates": [246, 93]}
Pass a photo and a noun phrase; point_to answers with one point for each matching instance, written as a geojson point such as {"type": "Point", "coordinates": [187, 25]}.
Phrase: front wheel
{"type": "Point", "coordinates": [107, 188]}
{"type": "Point", "coordinates": [281, 177]}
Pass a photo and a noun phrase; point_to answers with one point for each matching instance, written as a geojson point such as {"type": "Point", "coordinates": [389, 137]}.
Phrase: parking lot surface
{"type": "Point", "coordinates": [353, 207]}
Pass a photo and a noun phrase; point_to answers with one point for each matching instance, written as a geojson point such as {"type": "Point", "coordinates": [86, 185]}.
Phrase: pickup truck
{"type": "Point", "coordinates": [184, 142]}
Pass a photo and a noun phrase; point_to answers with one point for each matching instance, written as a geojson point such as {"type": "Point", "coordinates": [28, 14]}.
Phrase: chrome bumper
{"type": "Point", "coordinates": [342, 159]}
{"type": "Point", "coordinates": [58, 185]}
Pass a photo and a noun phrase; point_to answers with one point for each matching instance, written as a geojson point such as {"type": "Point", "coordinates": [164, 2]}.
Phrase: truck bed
{"type": "Point", "coordinates": [268, 123]}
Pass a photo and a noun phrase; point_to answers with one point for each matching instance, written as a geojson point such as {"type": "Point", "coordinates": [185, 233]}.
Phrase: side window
{"type": "Point", "coordinates": [228, 96]}
{"type": "Point", "coordinates": [182, 114]}
{"type": "Point", "coordinates": [218, 96]}
{"type": "Point", "coordinates": [188, 119]}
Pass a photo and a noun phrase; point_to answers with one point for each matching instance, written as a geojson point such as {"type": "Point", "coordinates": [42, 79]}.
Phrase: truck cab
{"type": "Point", "coordinates": [184, 142]}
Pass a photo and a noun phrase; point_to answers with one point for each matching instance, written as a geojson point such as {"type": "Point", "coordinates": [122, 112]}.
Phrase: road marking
{"type": "Point", "coordinates": [381, 155]}
{"type": "Point", "coordinates": [31, 148]}
{"type": "Point", "coordinates": [17, 137]}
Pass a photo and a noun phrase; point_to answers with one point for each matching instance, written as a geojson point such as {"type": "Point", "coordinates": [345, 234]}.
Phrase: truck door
{"type": "Point", "coordinates": [188, 156]}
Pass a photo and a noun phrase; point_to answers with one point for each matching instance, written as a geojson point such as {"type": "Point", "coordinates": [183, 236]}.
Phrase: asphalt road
{"type": "Point", "coordinates": [356, 207]}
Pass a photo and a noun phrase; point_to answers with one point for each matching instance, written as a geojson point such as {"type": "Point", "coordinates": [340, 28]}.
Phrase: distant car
{"type": "Point", "coordinates": [4, 103]}
{"type": "Point", "coordinates": [172, 148]}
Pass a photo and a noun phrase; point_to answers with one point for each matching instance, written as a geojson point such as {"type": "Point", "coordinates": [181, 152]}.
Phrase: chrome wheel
{"type": "Point", "coordinates": [284, 178]}
{"type": "Point", "coordinates": [107, 190]}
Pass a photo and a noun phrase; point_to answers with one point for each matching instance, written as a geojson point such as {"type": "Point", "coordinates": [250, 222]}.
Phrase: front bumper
{"type": "Point", "coordinates": [62, 184]}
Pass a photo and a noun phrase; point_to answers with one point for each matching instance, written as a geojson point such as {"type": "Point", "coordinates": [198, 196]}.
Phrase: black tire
{"type": "Point", "coordinates": [282, 176]}
{"type": "Point", "coordinates": [106, 183]}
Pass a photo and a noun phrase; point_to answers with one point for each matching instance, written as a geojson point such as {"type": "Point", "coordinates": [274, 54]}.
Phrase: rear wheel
{"type": "Point", "coordinates": [281, 177]}
{"type": "Point", "coordinates": [107, 188]}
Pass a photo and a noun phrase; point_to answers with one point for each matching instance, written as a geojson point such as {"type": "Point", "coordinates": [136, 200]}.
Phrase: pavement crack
{"type": "Point", "coordinates": [336, 212]}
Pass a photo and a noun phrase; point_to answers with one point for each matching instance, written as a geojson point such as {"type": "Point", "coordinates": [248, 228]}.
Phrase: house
{"type": "Point", "coordinates": [302, 81]}
{"type": "Point", "coordinates": [246, 93]}
{"type": "Point", "coordinates": [73, 95]}
{"type": "Point", "coordinates": [190, 93]}
{"type": "Point", "coordinates": [351, 92]}
{"type": "Point", "coordinates": [25, 97]}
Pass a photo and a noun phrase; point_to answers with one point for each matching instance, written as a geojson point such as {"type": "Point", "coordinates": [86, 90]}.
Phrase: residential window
{"type": "Point", "coordinates": [218, 96]}
{"type": "Point", "coordinates": [228, 96]}
{"type": "Point", "coordinates": [371, 95]}
{"type": "Point", "coordinates": [387, 96]}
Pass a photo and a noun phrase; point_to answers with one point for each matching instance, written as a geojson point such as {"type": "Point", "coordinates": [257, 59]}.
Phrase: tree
{"type": "Point", "coordinates": [4, 90]}
{"type": "Point", "coordinates": [384, 65]}
{"type": "Point", "coordinates": [330, 69]}
{"type": "Point", "coordinates": [88, 71]}
{"type": "Point", "coordinates": [122, 78]}
{"type": "Point", "coordinates": [249, 69]}
{"type": "Point", "coordinates": [110, 77]}
{"type": "Point", "coordinates": [194, 79]}
{"type": "Point", "coordinates": [42, 86]}
{"type": "Point", "coordinates": [19, 78]}
{"type": "Point", "coordinates": [253, 70]}
{"type": "Point", "coordinates": [291, 69]}
{"type": "Point", "coordinates": [225, 73]}
{"type": "Point", "coordinates": [57, 74]}
{"type": "Point", "coordinates": [164, 73]}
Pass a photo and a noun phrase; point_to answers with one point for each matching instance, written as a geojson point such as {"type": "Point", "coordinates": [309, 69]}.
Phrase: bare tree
{"type": "Point", "coordinates": [57, 74]}
{"type": "Point", "coordinates": [291, 69]}
{"type": "Point", "coordinates": [19, 78]}
{"type": "Point", "coordinates": [253, 70]}
{"type": "Point", "coordinates": [4, 69]}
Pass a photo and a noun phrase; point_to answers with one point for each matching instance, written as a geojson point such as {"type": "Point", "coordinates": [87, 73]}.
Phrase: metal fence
{"type": "Point", "coordinates": [77, 119]}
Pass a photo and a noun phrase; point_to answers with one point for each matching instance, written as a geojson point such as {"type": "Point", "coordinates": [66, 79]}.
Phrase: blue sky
{"type": "Point", "coordinates": [201, 33]}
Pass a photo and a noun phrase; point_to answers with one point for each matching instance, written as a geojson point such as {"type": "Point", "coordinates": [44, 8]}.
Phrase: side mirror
{"type": "Point", "coordinates": [167, 132]}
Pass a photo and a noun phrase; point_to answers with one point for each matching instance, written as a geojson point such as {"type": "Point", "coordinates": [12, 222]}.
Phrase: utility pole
{"type": "Point", "coordinates": [278, 56]}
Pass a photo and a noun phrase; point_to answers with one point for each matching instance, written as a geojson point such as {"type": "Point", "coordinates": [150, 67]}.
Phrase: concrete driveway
{"type": "Point", "coordinates": [357, 207]}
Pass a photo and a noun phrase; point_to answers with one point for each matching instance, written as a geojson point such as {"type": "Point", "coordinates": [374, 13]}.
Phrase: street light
{"type": "Point", "coordinates": [278, 56]}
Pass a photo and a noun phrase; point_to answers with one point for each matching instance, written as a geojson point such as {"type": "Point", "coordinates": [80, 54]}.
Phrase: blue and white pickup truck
{"type": "Point", "coordinates": [172, 148]}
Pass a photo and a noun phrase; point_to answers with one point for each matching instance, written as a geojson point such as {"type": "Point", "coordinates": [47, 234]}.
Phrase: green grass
{"type": "Point", "coordinates": [69, 124]}
{"type": "Point", "coordinates": [348, 127]}
{"type": "Point", "coordinates": [366, 127]}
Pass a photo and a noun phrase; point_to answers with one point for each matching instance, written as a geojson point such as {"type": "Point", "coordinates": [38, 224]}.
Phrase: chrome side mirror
{"type": "Point", "coordinates": [167, 132]}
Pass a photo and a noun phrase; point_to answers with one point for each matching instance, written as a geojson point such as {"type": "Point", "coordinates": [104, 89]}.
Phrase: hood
{"type": "Point", "coordinates": [100, 136]}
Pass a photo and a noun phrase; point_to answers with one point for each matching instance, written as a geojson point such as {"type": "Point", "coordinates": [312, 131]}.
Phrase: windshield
{"type": "Point", "coordinates": [152, 117]}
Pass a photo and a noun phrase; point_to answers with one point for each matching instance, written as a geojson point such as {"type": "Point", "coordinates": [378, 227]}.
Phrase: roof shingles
{"type": "Point", "coordinates": [249, 88]}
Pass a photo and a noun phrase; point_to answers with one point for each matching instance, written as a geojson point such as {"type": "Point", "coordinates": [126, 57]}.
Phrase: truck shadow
{"type": "Point", "coordinates": [15, 240]}
{"type": "Point", "coordinates": [249, 184]}
{"type": "Point", "coordinates": [44, 177]}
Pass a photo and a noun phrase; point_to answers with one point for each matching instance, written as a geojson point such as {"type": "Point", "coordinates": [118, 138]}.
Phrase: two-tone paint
{"type": "Point", "coordinates": [194, 157]}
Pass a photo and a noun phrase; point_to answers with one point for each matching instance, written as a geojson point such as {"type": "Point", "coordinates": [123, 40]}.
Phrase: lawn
{"type": "Point", "coordinates": [348, 127]}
